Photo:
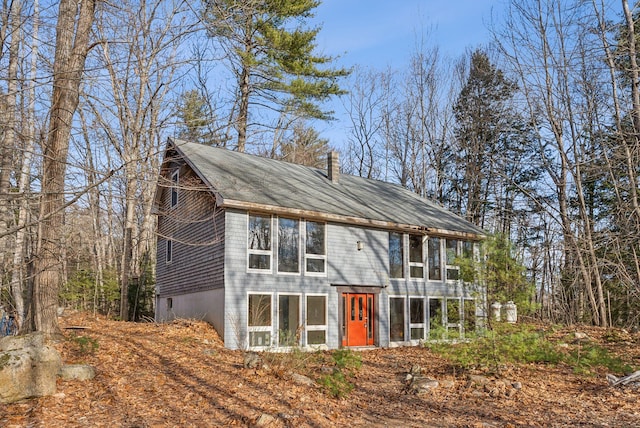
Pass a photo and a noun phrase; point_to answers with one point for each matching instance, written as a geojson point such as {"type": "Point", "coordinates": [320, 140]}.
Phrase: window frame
{"type": "Point", "coordinates": [404, 319]}
{"type": "Point", "coordinates": [429, 258]}
{"type": "Point", "coordinates": [311, 256]}
{"type": "Point", "coordinates": [414, 264]}
{"type": "Point", "coordinates": [175, 181]}
{"type": "Point", "coordinates": [300, 324]}
{"type": "Point", "coordinates": [251, 251]}
{"type": "Point", "coordinates": [260, 329]}
{"type": "Point", "coordinates": [402, 263]}
{"type": "Point", "coordinates": [299, 222]}
{"type": "Point", "coordinates": [449, 266]}
{"type": "Point", "coordinates": [316, 327]}
{"type": "Point", "coordinates": [169, 251]}
{"type": "Point", "coordinates": [423, 324]}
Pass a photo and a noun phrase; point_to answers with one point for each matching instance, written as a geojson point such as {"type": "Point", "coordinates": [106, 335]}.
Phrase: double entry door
{"type": "Point", "coordinates": [358, 319]}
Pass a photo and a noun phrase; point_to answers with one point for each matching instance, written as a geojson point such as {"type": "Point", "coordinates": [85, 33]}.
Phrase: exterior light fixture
{"type": "Point", "coordinates": [360, 245]}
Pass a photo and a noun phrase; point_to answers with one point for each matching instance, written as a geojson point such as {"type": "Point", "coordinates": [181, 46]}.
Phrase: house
{"type": "Point", "coordinates": [275, 254]}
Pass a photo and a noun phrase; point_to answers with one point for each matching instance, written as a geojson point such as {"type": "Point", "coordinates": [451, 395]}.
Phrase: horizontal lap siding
{"type": "Point", "coordinates": [197, 230]}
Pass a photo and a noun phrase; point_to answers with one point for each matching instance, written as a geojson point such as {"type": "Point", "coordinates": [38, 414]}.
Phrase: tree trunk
{"type": "Point", "coordinates": [73, 30]}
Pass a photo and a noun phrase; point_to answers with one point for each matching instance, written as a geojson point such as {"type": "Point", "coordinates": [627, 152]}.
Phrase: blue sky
{"type": "Point", "coordinates": [384, 33]}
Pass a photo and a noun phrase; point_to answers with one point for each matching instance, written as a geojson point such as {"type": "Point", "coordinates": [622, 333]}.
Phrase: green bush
{"type": "Point", "coordinates": [338, 384]}
{"type": "Point", "coordinates": [520, 343]}
{"type": "Point", "coordinates": [85, 344]}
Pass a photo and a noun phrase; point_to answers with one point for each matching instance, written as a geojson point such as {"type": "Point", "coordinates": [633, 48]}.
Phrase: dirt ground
{"type": "Point", "coordinates": [179, 375]}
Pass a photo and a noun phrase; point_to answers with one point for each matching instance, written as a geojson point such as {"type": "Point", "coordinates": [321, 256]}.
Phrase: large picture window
{"type": "Point", "coordinates": [396, 269]}
{"type": "Point", "coordinates": [259, 320]}
{"type": "Point", "coordinates": [288, 245]}
{"type": "Point", "coordinates": [452, 251]}
{"type": "Point", "coordinates": [316, 320]}
{"type": "Point", "coordinates": [315, 248]}
{"type": "Point", "coordinates": [396, 319]}
{"type": "Point", "coordinates": [416, 262]}
{"type": "Point", "coordinates": [417, 318]}
{"type": "Point", "coordinates": [259, 242]}
{"type": "Point", "coordinates": [288, 320]}
{"type": "Point", "coordinates": [435, 270]}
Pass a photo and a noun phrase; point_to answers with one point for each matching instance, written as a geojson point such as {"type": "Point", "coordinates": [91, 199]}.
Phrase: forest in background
{"type": "Point", "coordinates": [534, 138]}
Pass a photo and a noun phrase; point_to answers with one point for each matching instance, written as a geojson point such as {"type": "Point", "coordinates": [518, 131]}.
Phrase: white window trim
{"type": "Point", "coordinates": [428, 311]}
{"type": "Point", "coordinates": [422, 325]}
{"type": "Point", "coordinates": [417, 264]}
{"type": "Point", "coordinates": [315, 256]}
{"type": "Point", "coordinates": [428, 267]}
{"type": "Point", "coordinates": [175, 181]}
{"type": "Point", "coordinates": [404, 257]}
{"type": "Point", "coordinates": [323, 327]}
{"type": "Point", "coordinates": [259, 329]}
{"type": "Point", "coordinates": [460, 323]}
{"type": "Point", "coordinates": [300, 321]}
{"type": "Point", "coordinates": [259, 252]}
{"type": "Point", "coordinates": [169, 251]}
{"type": "Point", "coordinates": [300, 241]}
{"type": "Point", "coordinates": [404, 324]}
{"type": "Point", "coordinates": [447, 266]}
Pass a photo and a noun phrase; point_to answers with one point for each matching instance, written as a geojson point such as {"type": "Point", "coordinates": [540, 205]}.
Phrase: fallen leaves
{"type": "Point", "coordinates": [179, 374]}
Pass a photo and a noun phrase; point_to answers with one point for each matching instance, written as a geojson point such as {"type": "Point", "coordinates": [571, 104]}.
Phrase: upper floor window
{"type": "Point", "coordinates": [316, 248]}
{"type": "Point", "coordinates": [169, 250]}
{"type": "Point", "coordinates": [396, 255]}
{"type": "Point", "coordinates": [416, 262]}
{"type": "Point", "coordinates": [288, 245]}
{"type": "Point", "coordinates": [452, 251]}
{"type": "Point", "coordinates": [435, 271]}
{"type": "Point", "coordinates": [259, 242]}
{"type": "Point", "coordinates": [175, 181]}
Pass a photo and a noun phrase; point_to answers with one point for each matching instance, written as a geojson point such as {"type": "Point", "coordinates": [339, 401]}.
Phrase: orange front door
{"type": "Point", "coordinates": [359, 317]}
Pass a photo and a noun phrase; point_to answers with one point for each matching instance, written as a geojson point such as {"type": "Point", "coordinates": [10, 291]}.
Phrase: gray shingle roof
{"type": "Point", "coordinates": [257, 181]}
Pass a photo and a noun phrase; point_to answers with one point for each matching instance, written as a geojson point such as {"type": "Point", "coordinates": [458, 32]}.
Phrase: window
{"type": "Point", "coordinates": [259, 320]}
{"type": "Point", "coordinates": [169, 250]}
{"type": "Point", "coordinates": [396, 319]}
{"type": "Point", "coordinates": [452, 251]}
{"type": "Point", "coordinates": [316, 320]}
{"type": "Point", "coordinates": [434, 259]}
{"type": "Point", "coordinates": [416, 318]}
{"type": "Point", "coordinates": [288, 320]}
{"type": "Point", "coordinates": [315, 248]}
{"type": "Point", "coordinates": [469, 316]}
{"type": "Point", "coordinates": [416, 262]}
{"type": "Point", "coordinates": [288, 245]}
{"type": "Point", "coordinates": [259, 243]}
{"type": "Point", "coordinates": [175, 179]}
{"type": "Point", "coordinates": [169, 302]}
{"type": "Point", "coordinates": [453, 318]}
{"type": "Point", "coordinates": [436, 319]}
{"type": "Point", "coordinates": [395, 255]}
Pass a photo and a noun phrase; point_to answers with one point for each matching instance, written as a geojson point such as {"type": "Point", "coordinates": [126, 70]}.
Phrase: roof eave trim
{"type": "Point", "coordinates": [316, 215]}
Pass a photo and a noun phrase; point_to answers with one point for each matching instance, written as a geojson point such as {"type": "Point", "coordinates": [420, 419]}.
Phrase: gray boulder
{"type": "Point", "coordinates": [28, 367]}
{"type": "Point", "coordinates": [77, 372]}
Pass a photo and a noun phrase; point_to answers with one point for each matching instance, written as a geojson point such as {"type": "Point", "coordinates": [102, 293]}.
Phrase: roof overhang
{"type": "Point", "coordinates": [358, 221]}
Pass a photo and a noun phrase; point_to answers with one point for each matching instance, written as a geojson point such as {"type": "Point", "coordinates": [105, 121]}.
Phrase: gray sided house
{"type": "Point", "coordinates": [276, 255]}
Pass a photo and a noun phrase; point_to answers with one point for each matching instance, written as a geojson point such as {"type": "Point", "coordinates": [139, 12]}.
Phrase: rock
{"type": "Point", "coordinates": [28, 367]}
{"type": "Point", "coordinates": [423, 384]}
{"type": "Point", "coordinates": [580, 335]}
{"type": "Point", "coordinates": [478, 379]}
{"type": "Point", "coordinates": [265, 420]}
{"type": "Point", "coordinates": [415, 370]}
{"type": "Point", "coordinates": [448, 384]}
{"type": "Point", "coordinates": [302, 380]}
{"type": "Point", "coordinates": [516, 385]}
{"type": "Point", "coordinates": [77, 372]}
{"type": "Point", "coordinates": [252, 360]}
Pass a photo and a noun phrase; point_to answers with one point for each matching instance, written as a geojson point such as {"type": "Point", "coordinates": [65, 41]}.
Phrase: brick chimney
{"type": "Point", "coordinates": [333, 166]}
